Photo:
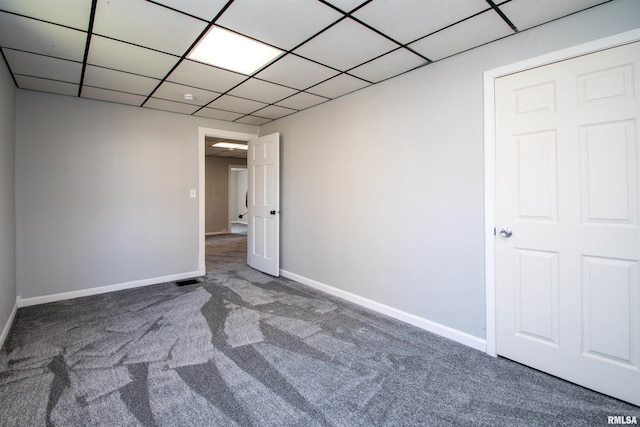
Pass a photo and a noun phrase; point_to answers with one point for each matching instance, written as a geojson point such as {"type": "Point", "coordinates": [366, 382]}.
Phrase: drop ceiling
{"type": "Point", "coordinates": [135, 51]}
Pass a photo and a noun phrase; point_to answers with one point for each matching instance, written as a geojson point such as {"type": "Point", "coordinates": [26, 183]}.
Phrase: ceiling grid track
{"type": "Point", "coordinates": [137, 52]}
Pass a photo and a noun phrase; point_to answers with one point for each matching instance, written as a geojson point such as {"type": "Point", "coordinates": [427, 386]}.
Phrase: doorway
{"type": "Point", "coordinates": [203, 134]}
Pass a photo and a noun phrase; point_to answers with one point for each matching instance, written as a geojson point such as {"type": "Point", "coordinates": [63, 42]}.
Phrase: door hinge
{"type": "Point", "coordinates": [494, 231]}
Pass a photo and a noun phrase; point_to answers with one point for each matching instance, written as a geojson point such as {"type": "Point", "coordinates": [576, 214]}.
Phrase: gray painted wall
{"type": "Point", "coordinates": [414, 142]}
{"type": "Point", "coordinates": [217, 193]}
{"type": "Point", "coordinates": [7, 196]}
{"type": "Point", "coordinates": [103, 193]}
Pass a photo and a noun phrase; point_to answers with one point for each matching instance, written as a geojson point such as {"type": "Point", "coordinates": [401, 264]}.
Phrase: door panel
{"type": "Point", "coordinates": [567, 185]}
{"type": "Point", "coordinates": [264, 205]}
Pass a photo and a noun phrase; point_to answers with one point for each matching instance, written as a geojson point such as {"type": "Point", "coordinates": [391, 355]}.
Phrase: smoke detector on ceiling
{"type": "Point", "coordinates": [189, 97]}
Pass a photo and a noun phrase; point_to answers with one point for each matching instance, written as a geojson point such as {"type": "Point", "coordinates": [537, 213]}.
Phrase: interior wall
{"type": "Point", "coordinates": [103, 193]}
{"type": "Point", "coordinates": [7, 196]}
{"type": "Point", "coordinates": [217, 193]}
{"type": "Point", "coordinates": [414, 144]}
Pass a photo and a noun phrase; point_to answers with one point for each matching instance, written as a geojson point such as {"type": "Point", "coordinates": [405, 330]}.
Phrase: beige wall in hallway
{"type": "Point", "coordinates": [217, 192]}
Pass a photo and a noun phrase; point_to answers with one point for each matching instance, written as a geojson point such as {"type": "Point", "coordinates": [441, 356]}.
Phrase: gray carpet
{"type": "Point", "coordinates": [245, 349]}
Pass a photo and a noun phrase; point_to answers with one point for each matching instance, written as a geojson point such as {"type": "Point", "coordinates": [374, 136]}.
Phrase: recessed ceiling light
{"type": "Point", "coordinates": [225, 49]}
{"type": "Point", "coordinates": [230, 145]}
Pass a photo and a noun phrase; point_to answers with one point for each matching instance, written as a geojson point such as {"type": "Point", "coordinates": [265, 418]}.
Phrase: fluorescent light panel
{"type": "Point", "coordinates": [226, 49]}
{"type": "Point", "coordinates": [230, 145]}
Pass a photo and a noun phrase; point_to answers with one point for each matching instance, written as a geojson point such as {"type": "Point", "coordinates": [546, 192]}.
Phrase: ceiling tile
{"type": "Point", "coordinates": [252, 120]}
{"type": "Point", "coordinates": [44, 85]}
{"type": "Point", "coordinates": [274, 112]}
{"type": "Point", "coordinates": [176, 107]}
{"type": "Point", "coordinates": [176, 92]}
{"type": "Point", "coordinates": [72, 13]}
{"type": "Point", "coordinates": [146, 24]}
{"type": "Point", "coordinates": [112, 96]}
{"type": "Point", "coordinates": [203, 76]}
{"type": "Point", "coordinates": [126, 57]}
{"type": "Point", "coordinates": [212, 113]}
{"type": "Point", "coordinates": [302, 100]}
{"type": "Point", "coordinates": [338, 86]}
{"type": "Point", "coordinates": [117, 80]}
{"type": "Point", "coordinates": [389, 65]}
{"type": "Point", "coordinates": [473, 32]}
{"type": "Point", "coordinates": [39, 37]}
{"type": "Point", "coordinates": [262, 91]}
{"type": "Point", "coordinates": [346, 45]}
{"type": "Point", "coordinates": [529, 13]}
{"type": "Point", "coordinates": [34, 65]}
{"type": "Point", "coordinates": [284, 24]}
{"type": "Point", "coordinates": [235, 104]}
{"type": "Point", "coordinates": [206, 10]}
{"type": "Point", "coordinates": [346, 5]}
{"type": "Point", "coordinates": [408, 20]}
{"type": "Point", "coordinates": [296, 72]}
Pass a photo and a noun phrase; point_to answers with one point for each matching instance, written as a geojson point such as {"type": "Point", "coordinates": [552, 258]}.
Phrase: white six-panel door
{"type": "Point", "coordinates": [567, 188]}
{"type": "Point", "coordinates": [263, 164]}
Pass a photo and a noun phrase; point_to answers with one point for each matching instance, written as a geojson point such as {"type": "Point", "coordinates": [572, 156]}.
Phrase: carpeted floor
{"type": "Point", "coordinates": [242, 348]}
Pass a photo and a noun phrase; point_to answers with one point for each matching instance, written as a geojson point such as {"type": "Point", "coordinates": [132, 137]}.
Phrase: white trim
{"type": "Point", "coordinates": [422, 323]}
{"type": "Point", "coordinates": [9, 323]}
{"type": "Point", "coordinates": [26, 302]}
{"type": "Point", "coordinates": [217, 233]}
{"type": "Point", "coordinates": [489, 154]}
{"type": "Point", "coordinates": [216, 133]}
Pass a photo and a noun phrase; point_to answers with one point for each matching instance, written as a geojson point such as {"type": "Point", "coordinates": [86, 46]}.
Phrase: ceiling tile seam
{"type": "Point", "coordinates": [565, 16]}
{"type": "Point", "coordinates": [92, 17]}
{"type": "Point", "coordinates": [253, 113]}
{"type": "Point", "coordinates": [43, 21]}
{"type": "Point", "coordinates": [380, 56]}
{"type": "Point", "coordinates": [46, 78]}
{"type": "Point", "coordinates": [41, 54]}
{"type": "Point", "coordinates": [195, 105]}
{"type": "Point", "coordinates": [449, 26]}
{"type": "Point", "coordinates": [337, 9]}
{"type": "Point", "coordinates": [297, 111]}
{"type": "Point", "coordinates": [502, 15]}
{"type": "Point", "coordinates": [114, 90]}
{"type": "Point", "coordinates": [136, 45]}
{"type": "Point", "coordinates": [184, 55]}
{"type": "Point", "coordinates": [404, 72]}
{"type": "Point", "coordinates": [123, 71]}
{"type": "Point", "coordinates": [298, 93]}
{"type": "Point", "coordinates": [15, 82]}
{"type": "Point", "coordinates": [182, 12]}
{"type": "Point", "coordinates": [375, 30]}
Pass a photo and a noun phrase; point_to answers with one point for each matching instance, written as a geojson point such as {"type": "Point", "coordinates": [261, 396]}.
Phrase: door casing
{"type": "Point", "coordinates": [216, 133]}
{"type": "Point", "coordinates": [490, 152]}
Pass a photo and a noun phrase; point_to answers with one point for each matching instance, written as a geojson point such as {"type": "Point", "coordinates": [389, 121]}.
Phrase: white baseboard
{"type": "Point", "coordinates": [7, 325]}
{"type": "Point", "coordinates": [428, 325]}
{"type": "Point", "coordinates": [215, 233]}
{"type": "Point", "coordinates": [26, 302]}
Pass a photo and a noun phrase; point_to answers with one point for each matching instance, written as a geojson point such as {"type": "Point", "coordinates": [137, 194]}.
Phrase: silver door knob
{"type": "Point", "coordinates": [506, 232]}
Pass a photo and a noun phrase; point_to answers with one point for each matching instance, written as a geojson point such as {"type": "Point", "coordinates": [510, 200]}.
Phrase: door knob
{"type": "Point", "coordinates": [272, 212]}
{"type": "Point", "coordinates": [506, 232]}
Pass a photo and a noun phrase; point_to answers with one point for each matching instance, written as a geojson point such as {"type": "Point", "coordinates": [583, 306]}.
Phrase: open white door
{"type": "Point", "coordinates": [263, 163]}
{"type": "Point", "coordinates": [568, 219]}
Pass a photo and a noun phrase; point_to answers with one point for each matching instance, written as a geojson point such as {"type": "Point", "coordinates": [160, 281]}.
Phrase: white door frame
{"type": "Point", "coordinates": [215, 133]}
{"type": "Point", "coordinates": [490, 153]}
